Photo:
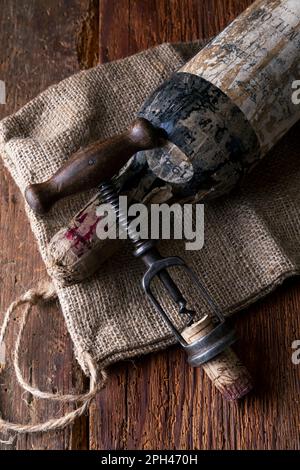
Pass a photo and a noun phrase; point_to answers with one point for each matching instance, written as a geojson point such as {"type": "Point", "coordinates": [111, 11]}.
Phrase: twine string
{"type": "Point", "coordinates": [46, 292]}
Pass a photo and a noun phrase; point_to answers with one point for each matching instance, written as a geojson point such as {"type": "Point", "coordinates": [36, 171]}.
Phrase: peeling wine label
{"type": "Point", "coordinates": [170, 164]}
{"type": "Point", "coordinates": [211, 143]}
{"type": "Point", "coordinates": [255, 61]}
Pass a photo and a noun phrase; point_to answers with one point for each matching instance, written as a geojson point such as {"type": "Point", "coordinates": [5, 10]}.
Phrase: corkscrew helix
{"type": "Point", "coordinates": [206, 341]}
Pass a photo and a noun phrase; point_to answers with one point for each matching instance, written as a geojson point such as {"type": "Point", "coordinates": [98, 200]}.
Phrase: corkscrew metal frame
{"type": "Point", "coordinates": [208, 346]}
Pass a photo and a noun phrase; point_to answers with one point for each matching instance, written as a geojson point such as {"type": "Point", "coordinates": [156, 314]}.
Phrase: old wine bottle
{"type": "Point", "coordinates": [230, 104]}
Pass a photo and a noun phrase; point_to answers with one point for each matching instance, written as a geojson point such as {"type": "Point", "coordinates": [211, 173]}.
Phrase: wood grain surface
{"type": "Point", "coordinates": [156, 402]}
{"type": "Point", "coordinates": [38, 47]}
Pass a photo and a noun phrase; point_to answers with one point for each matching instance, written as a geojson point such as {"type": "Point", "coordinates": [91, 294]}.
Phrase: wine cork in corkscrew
{"type": "Point", "coordinates": [225, 370]}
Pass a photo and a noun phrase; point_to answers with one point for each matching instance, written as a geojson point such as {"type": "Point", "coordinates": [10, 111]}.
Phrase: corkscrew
{"type": "Point", "coordinates": [206, 341]}
{"type": "Point", "coordinates": [203, 349]}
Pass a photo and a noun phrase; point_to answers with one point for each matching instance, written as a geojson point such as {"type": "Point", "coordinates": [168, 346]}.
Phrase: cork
{"type": "Point", "coordinates": [226, 371]}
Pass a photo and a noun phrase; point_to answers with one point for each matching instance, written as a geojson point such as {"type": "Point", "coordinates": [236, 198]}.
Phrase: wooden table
{"type": "Point", "coordinates": [153, 402]}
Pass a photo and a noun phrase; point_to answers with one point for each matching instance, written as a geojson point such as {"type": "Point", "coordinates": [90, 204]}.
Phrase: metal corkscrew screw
{"type": "Point", "coordinates": [203, 340]}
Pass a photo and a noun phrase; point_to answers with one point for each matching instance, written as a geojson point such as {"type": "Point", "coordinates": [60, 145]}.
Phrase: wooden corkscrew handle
{"type": "Point", "coordinates": [93, 164]}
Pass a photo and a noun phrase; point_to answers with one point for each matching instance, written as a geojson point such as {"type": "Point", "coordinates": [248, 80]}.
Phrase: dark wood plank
{"type": "Point", "coordinates": [128, 26]}
{"type": "Point", "coordinates": [157, 402]}
{"type": "Point", "coordinates": [41, 43]}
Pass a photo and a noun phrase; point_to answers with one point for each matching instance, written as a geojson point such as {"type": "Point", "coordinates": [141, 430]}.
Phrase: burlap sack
{"type": "Point", "coordinates": [251, 237]}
